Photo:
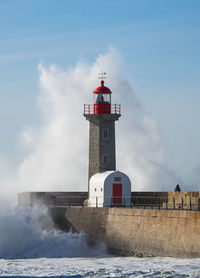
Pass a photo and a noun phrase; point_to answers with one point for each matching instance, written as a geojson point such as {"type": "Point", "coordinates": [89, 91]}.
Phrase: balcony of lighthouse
{"type": "Point", "coordinates": [91, 109]}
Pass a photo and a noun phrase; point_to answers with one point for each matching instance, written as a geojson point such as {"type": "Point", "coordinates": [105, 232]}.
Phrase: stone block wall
{"type": "Point", "coordinates": [139, 232]}
{"type": "Point", "coordinates": [59, 199]}
{"type": "Point", "coordinates": [185, 200]}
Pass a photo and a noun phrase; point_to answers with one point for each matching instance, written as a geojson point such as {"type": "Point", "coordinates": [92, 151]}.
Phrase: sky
{"type": "Point", "coordinates": [158, 42]}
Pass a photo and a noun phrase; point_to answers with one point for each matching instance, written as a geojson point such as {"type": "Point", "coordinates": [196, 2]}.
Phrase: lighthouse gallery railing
{"type": "Point", "coordinates": [89, 109]}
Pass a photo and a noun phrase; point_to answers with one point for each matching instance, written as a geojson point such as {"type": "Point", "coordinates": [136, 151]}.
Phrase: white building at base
{"type": "Point", "coordinates": [109, 188]}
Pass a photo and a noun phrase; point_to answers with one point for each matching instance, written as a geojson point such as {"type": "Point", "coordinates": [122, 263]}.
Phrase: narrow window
{"type": "Point", "coordinates": [105, 133]}
{"type": "Point", "coordinates": [101, 189]}
{"type": "Point", "coordinates": [105, 159]}
{"type": "Point", "coordinates": [95, 189]}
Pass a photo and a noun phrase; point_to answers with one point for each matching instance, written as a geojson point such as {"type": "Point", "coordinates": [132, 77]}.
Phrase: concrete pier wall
{"type": "Point", "coordinates": [136, 231]}
{"type": "Point", "coordinates": [29, 199]}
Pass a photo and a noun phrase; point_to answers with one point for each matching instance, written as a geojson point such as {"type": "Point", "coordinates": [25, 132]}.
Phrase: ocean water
{"type": "Point", "coordinates": [31, 247]}
{"type": "Point", "coordinates": [101, 266]}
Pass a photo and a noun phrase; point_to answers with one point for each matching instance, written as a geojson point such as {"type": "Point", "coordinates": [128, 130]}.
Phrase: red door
{"type": "Point", "coordinates": [117, 194]}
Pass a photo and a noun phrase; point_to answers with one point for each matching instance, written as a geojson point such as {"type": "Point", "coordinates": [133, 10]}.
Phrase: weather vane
{"type": "Point", "coordinates": [102, 75]}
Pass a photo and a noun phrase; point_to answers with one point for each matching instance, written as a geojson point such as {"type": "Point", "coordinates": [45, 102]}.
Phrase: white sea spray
{"type": "Point", "coordinates": [57, 150]}
{"type": "Point", "coordinates": [31, 234]}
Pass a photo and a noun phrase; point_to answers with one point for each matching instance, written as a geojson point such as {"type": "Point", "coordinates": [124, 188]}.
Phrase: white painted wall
{"type": "Point", "coordinates": [101, 186]}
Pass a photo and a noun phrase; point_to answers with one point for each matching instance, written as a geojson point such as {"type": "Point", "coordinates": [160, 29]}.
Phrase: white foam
{"type": "Point", "coordinates": [30, 234]}
{"type": "Point", "coordinates": [101, 267]}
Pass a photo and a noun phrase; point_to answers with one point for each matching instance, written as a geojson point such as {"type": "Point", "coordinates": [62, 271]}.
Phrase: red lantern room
{"type": "Point", "coordinates": [102, 99]}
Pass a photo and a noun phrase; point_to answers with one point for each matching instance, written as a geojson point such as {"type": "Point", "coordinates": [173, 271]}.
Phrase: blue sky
{"type": "Point", "coordinates": [159, 41]}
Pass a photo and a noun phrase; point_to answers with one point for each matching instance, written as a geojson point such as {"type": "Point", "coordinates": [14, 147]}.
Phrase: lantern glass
{"type": "Point", "coordinates": [102, 98]}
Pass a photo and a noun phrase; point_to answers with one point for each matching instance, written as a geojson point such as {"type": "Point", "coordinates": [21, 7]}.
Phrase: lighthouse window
{"type": "Point", "coordinates": [105, 133]}
{"type": "Point", "coordinates": [107, 98]}
{"type": "Point", "coordinates": [99, 98]}
{"type": "Point", "coordinates": [105, 159]}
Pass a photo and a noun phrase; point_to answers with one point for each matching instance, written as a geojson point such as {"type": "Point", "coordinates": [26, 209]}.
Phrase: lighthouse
{"type": "Point", "coordinates": [106, 186]}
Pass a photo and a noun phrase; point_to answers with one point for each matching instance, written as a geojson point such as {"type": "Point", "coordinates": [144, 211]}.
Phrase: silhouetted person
{"type": "Point", "coordinates": [177, 189]}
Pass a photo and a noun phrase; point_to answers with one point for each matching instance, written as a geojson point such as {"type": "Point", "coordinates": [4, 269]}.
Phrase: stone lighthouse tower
{"type": "Point", "coordinates": [102, 116]}
{"type": "Point", "coordinates": [106, 186]}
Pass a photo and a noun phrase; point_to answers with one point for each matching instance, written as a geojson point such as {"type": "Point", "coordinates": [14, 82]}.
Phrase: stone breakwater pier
{"type": "Point", "coordinates": [156, 224]}
{"type": "Point", "coordinates": [135, 232]}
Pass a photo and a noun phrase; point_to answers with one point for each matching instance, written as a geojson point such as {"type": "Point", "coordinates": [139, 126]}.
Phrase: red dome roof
{"type": "Point", "coordinates": [102, 89]}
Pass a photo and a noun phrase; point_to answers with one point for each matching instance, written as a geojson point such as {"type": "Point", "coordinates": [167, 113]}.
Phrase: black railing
{"type": "Point", "coordinates": [143, 202]}
{"type": "Point", "coordinates": [64, 201]}
{"type": "Point", "coordinates": [165, 203]}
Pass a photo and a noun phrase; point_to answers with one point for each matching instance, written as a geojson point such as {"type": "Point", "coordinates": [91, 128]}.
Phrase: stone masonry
{"type": "Point", "coordinates": [137, 232]}
{"type": "Point", "coordinates": [100, 146]}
